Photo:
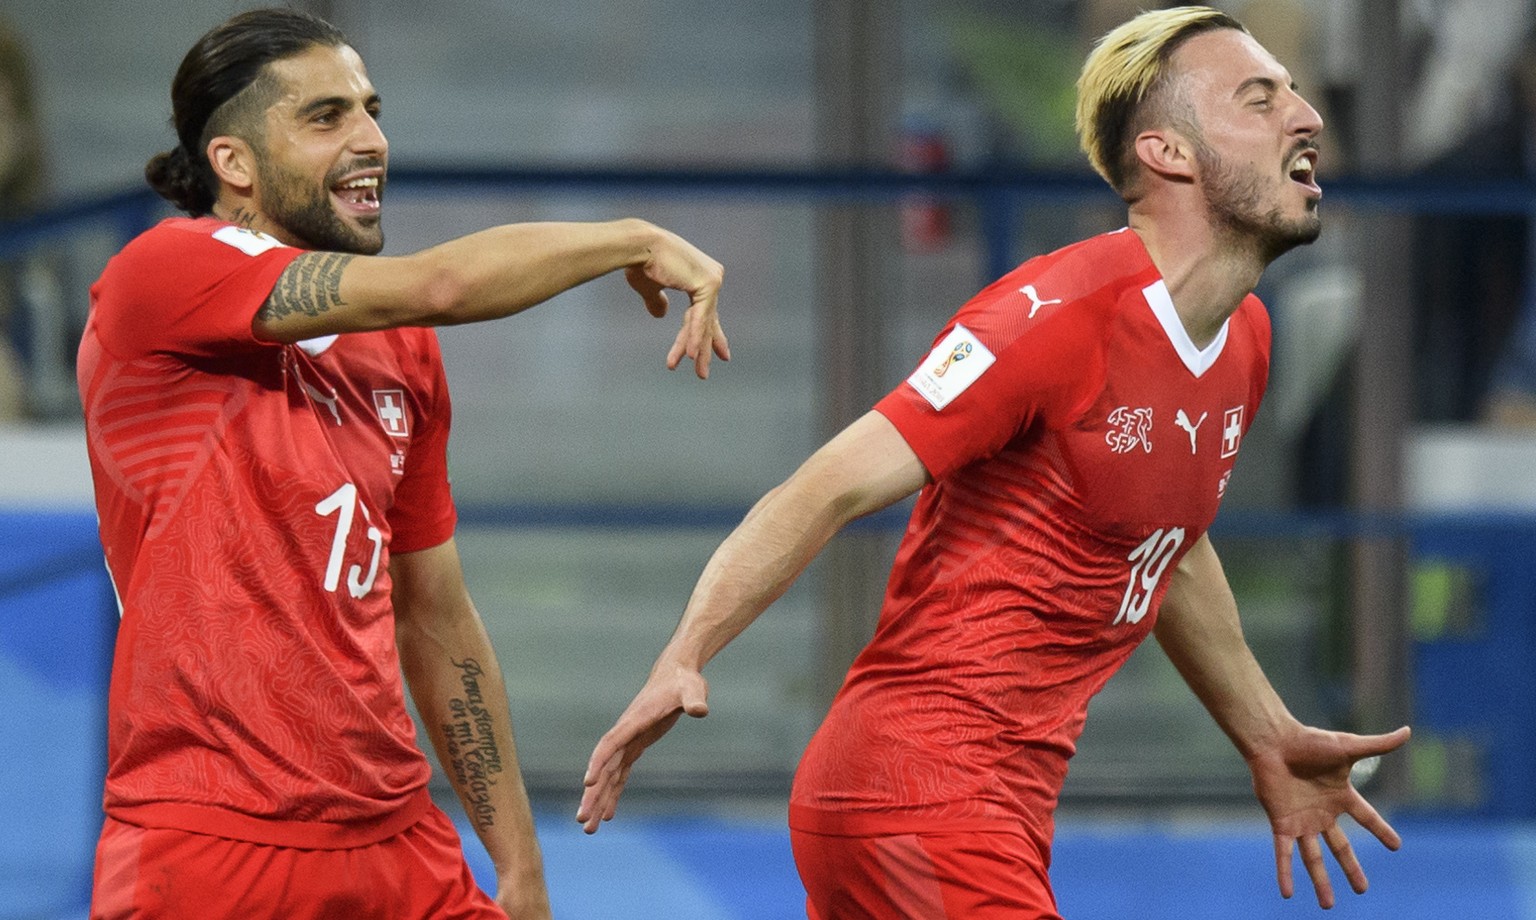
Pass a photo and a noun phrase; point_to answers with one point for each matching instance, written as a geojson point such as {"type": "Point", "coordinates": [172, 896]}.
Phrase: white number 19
{"type": "Point", "coordinates": [344, 500]}
{"type": "Point", "coordinates": [1148, 562]}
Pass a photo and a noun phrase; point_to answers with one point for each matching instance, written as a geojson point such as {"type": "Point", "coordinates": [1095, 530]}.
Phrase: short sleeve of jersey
{"type": "Point", "coordinates": [992, 374]}
{"type": "Point", "coordinates": [188, 287]}
{"type": "Point", "coordinates": [424, 515]}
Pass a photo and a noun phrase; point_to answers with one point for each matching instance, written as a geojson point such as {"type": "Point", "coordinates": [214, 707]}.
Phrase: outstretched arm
{"type": "Point", "coordinates": [496, 273]}
{"type": "Point", "coordinates": [456, 682]}
{"type": "Point", "coordinates": [866, 467]}
{"type": "Point", "coordinates": [1300, 774]}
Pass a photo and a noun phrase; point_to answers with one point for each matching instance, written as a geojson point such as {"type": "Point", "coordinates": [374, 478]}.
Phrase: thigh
{"type": "Point", "coordinates": [975, 876]}
{"type": "Point", "coordinates": [426, 861]}
{"type": "Point", "coordinates": [144, 873]}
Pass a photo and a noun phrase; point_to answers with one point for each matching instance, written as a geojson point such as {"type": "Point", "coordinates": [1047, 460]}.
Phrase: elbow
{"type": "Point", "coordinates": [436, 296]}
{"type": "Point", "coordinates": [441, 297]}
{"type": "Point", "coordinates": [843, 507]}
{"type": "Point", "coordinates": [824, 502]}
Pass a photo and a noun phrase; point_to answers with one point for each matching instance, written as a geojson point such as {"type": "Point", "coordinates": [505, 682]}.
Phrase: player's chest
{"type": "Point", "coordinates": [1158, 446]}
{"type": "Point", "coordinates": [357, 406]}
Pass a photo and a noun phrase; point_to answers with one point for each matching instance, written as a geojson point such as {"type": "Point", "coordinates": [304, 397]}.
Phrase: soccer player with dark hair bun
{"type": "Point", "coordinates": [267, 419]}
{"type": "Point", "coordinates": [1071, 433]}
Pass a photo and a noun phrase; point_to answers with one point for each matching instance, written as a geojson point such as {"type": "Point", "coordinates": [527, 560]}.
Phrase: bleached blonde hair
{"type": "Point", "coordinates": [1123, 82]}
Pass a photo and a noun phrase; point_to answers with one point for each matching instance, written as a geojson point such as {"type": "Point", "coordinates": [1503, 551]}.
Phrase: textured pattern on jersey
{"type": "Point", "coordinates": [249, 496]}
{"type": "Point", "coordinates": [1033, 565]}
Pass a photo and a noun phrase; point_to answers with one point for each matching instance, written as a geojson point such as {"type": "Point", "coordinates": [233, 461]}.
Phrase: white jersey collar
{"type": "Point", "coordinates": [1198, 360]}
{"type": "Point", "coordinates": [316, 346]}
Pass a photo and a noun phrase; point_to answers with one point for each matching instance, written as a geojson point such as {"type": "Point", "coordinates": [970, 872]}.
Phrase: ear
{"type": "Point", "coordinates": [233, 162]}
{"type": "Point", "coordinates": [1167, 153]}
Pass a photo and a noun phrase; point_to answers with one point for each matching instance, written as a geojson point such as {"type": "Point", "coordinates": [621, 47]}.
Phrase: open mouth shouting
{"type": "Point", "coordinates": [1303, 170]}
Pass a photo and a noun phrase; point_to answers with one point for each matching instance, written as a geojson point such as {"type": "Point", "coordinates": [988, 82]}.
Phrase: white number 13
{"type": "Point", "coordinates": [344, 500]}
{"type": "Point", "coordinates": [1148, 562]}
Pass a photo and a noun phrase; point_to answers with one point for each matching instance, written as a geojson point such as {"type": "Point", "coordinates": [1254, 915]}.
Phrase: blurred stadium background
{"type": "Point", "coordinates": [861, 168]}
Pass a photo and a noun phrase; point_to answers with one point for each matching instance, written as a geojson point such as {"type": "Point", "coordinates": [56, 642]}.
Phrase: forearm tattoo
{"type": "Point", "coordinates": [473, 753]}
{"type": "Point", "coordinates": [311, 285]}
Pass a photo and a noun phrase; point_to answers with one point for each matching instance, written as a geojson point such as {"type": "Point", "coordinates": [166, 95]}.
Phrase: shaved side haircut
{"type": "Point", "coordinates": [1125, 88]}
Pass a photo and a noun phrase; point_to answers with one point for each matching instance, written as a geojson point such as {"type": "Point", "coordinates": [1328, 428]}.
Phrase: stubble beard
{"type": "Point", "coordinates": [307, 214]}
{"type": "Point", "coordinates": [1235, 205]}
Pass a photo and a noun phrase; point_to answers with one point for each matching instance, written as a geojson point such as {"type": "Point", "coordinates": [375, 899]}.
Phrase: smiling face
{"type": "Point", "coordinates": [321, 159]}
{"type": "Point", "coordinates": [1255, 140]}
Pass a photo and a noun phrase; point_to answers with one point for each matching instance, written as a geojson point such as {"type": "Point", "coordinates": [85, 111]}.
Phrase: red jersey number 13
{"type": "Point", "coordinates": [344, 502]}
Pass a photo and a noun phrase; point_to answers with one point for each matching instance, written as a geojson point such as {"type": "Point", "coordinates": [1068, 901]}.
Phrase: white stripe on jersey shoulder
{"type": "Point", "coordinates": [250, 242]}
{"type": "Point", "coordinates": [1198, 360]}
{"type": "Point", "coordinates": [316, 346]}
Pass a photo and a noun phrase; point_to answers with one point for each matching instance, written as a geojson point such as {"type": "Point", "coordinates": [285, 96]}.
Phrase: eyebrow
{"type": "Point", "coordinates": [327, 102]}
{"type": "Point", "coordinates": [1268, 84]}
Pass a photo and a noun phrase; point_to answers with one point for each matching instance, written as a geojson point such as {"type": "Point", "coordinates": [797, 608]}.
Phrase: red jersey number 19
{"type": "Point", "coordinates": [1148, 562]}
{"type": "Point", "coordinates": [344, 501]}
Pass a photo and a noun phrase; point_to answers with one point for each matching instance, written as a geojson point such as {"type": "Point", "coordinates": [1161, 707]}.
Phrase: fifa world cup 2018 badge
{"type": "Point", "coordinates": [958, 353]}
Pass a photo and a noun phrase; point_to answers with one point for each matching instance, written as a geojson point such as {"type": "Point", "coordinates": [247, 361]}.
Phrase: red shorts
{"type": "Point", "coordinates": [945, 876]}
{"type": "Point", "coordinates": [146, 872]}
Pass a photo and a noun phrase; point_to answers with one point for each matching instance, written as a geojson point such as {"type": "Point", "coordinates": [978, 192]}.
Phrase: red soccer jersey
{"type": "Point", "coordinates": [250, 495]}
{"type": "Point", "coordinates": [1079, 443]}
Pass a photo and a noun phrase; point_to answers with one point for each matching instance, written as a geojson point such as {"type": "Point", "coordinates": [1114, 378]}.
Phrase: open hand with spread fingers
{"type": "Point", "coordinates": [1303, 782]}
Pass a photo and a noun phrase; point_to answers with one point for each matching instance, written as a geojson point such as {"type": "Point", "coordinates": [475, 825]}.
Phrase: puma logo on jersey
{"type": "Point", "coordinates": [1035, 303]}
{"type": "Point", "coordinates": [1129, 429]}
{"type": "Point", "coordinates": [1182, 420]}
{"type": "Point", "coordinates": [330, 402]}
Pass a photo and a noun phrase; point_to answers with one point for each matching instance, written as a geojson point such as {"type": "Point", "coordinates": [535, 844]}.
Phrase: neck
{"type": "Point", "coordinates": [243, 213]}
{"type": "Point", "coordinates": [1208, 272]}
{"type": "Point", "coordinates": [236, 214]}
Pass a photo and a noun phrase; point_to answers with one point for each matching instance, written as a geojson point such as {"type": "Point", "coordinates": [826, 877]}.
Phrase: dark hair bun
{"type": "Point", "coordinates": [222, 64]}
{"type": "Point", "coordinates": [178, 180]}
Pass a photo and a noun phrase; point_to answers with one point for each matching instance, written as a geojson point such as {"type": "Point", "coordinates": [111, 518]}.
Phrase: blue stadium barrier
{"type": "Point", "coordinates": [58, 618]}
{"type": "Point", "coordinates": [1475, 680]}
{"type": "Point", "coordinates": [713, 868]}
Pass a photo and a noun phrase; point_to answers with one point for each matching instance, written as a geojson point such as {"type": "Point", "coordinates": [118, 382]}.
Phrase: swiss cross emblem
{"type": "Point", "coordinates": [1231, 431]}
{"type": "Point", "coordinates": [391, 407]}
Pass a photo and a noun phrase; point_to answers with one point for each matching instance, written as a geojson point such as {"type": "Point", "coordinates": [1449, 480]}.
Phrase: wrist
{"type": "Point", "coordinates": [639, 239]}
{"type": "Point", "coordinates": [675, 660]}
{"type": "Point", "coordinates": [521, 870]}
{"type": "Point", "coordinates": [1267, 737]}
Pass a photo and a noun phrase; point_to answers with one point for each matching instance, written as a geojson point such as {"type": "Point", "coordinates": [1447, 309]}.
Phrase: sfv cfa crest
{"type": "Point", "coordinates": [1128, 429]}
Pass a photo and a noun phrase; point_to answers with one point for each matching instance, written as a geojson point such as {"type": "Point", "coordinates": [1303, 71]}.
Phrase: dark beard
{"type": "Point", "coordinates": [1233, 201]}
{"type": "Point", "coordinates": [308, 215]}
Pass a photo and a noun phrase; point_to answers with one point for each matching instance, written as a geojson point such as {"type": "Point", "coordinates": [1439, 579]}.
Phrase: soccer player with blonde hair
{"type": "Point", "coordinates": [1071, 433]}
